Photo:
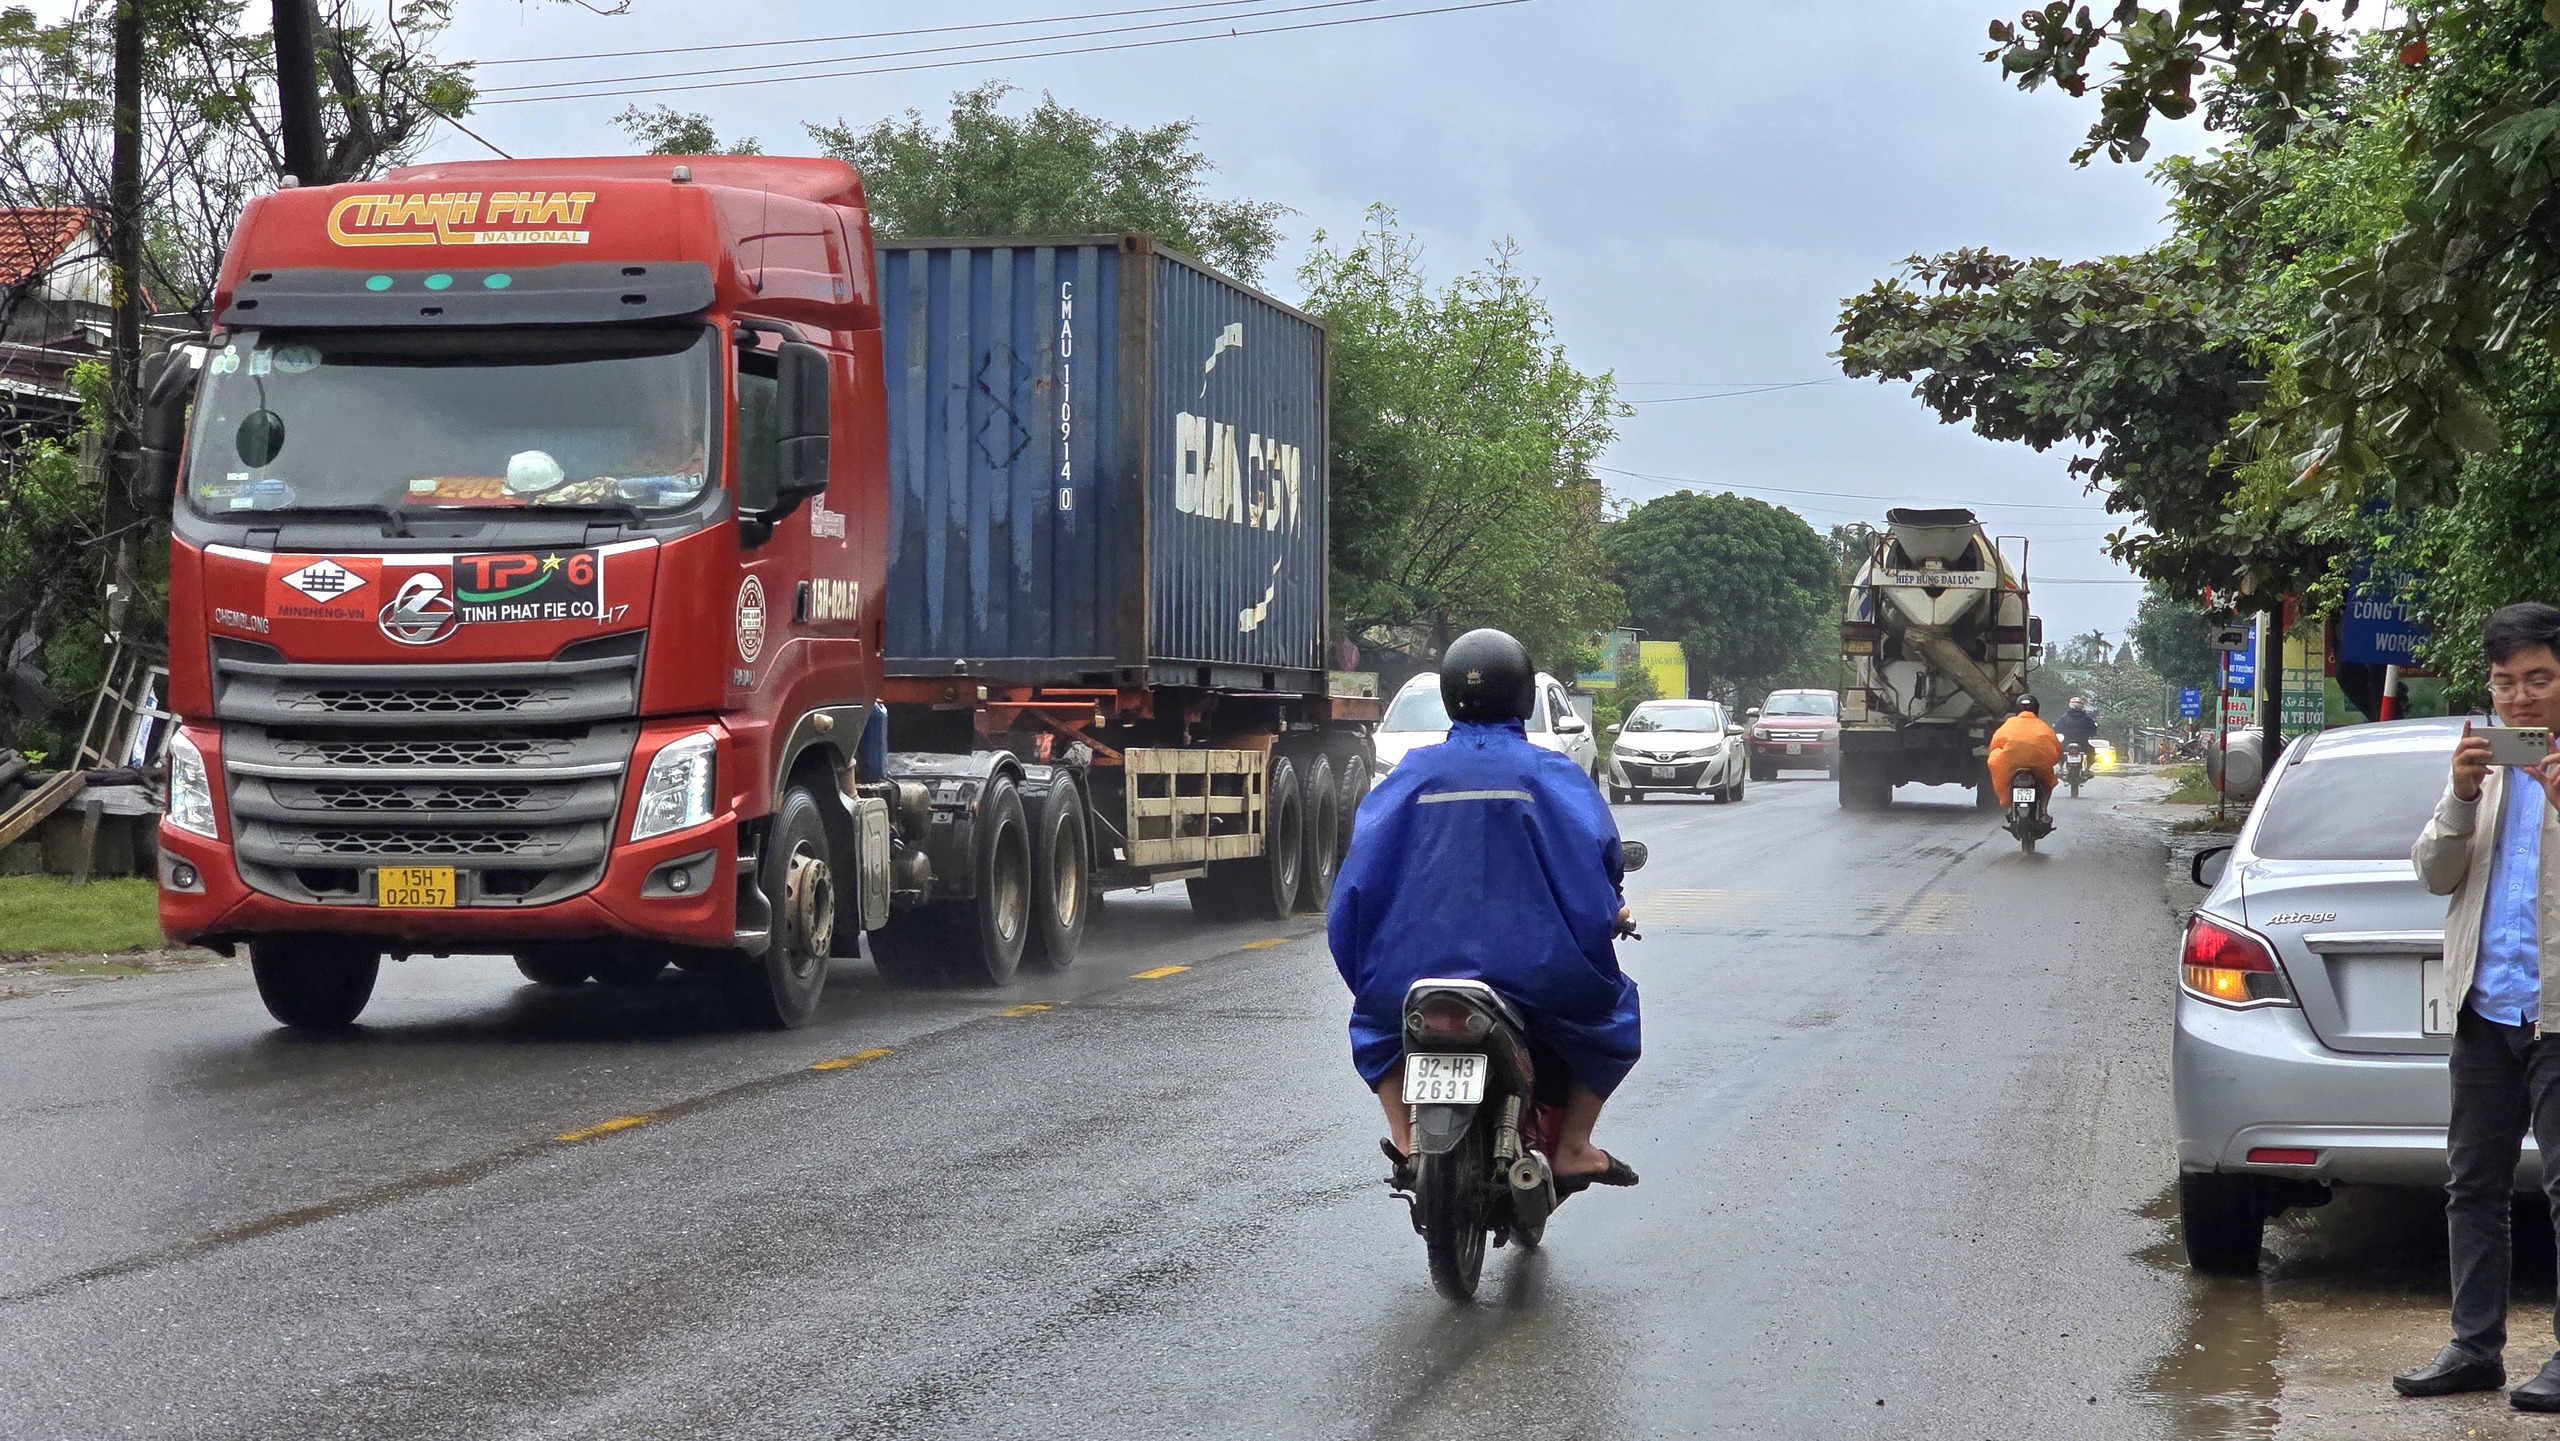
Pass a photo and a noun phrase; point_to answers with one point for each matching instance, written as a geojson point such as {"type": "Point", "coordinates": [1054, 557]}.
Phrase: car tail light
{"type": "Point", "coordinates": [1446, 1018]}
{"type": "Point", "coordinates": [2283, 1156]}
{"type": "Point", "coordinates": [2228, 965]}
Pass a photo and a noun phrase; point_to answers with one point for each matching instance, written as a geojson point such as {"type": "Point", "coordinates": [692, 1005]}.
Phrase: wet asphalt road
{"type": "Point", "coordinates": [1903, 1123]}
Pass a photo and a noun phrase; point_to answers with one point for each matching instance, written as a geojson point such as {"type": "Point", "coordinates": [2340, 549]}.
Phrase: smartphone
{"type": "Point", "coordinates": [2515, 745]}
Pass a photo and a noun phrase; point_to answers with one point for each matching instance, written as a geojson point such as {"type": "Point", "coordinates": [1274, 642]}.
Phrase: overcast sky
{"type": "Point", "coordinates": [1697, 183]}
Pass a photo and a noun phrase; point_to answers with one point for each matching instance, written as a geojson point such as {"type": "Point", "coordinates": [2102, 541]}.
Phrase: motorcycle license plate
{"type": "Point", "coordinates": [1795, 748]}
{"type": "Point", "coordinates": [1664, 773]}
{"type": "Point", "coordinates": [1441, 1080]}
{"type": "Point", "coordinates": [413, 887]}
{"type": "Point", "coordinates": [2023, 795]}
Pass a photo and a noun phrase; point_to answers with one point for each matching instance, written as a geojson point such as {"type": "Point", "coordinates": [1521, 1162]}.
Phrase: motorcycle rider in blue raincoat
{"type": "Point", "coordinates": [1487, 858]}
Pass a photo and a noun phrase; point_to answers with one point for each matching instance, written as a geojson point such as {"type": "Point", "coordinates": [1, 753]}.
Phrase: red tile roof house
{"type": "Point", "coordinates": [56, 309]}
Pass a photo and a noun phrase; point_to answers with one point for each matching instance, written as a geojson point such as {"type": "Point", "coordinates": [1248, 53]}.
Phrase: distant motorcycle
{"type": "Point", "coordinates": [1481, 1141]}
{"type": "Point", "coordinates": [2025, 819]}
{"type": "Point", "coordinates": [2075, 765]}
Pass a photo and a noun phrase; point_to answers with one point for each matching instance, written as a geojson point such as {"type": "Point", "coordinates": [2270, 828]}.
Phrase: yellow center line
{"type": "Point", "coordinates": [1266, 945]}
{"type": "Point", "coordinates": [606, 1128]}
{"type": "Point", "coordinates": [1159, 973]}
{"type": "Point", "coordinates": [858, 1058]}
{"type": "Point", "coordinates": [1031, 1009]}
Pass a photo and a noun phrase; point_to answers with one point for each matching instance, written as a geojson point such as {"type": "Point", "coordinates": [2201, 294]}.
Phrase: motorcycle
{"type": "Point", "coordinates": [2026, 820]}
{"type": "Point", "coordinates": [2075, 765]}
{"type": "Point", "coordinates": [1481, 1141]}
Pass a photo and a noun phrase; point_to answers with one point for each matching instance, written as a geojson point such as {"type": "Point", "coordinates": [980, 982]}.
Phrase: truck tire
{"type": "Point", "coordinates": [1267, 884]}
{"type": "Point", "coordinates": [1352, 773]}
{"type": "Point", "coordinates": [1324, 837]}
{"type": "Point", "coordinates": [1062, 874]}
{"type": "Point", "coordinates": [1865, 786]}
{"type": "Point", "coordinates": [313, 983]}
{"type": "Point", "coordinates": [987, 933]}
{"type": "Point", "coordinates": [908, 950]}
{"type": "Point", "coordinates": [557, 967]}
{"type": "Point", "coordinates": [779, 990]}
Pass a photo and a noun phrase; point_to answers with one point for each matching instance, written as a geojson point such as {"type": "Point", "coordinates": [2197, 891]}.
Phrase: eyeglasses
{"type": "Point", "coordinates": [2532, 687]}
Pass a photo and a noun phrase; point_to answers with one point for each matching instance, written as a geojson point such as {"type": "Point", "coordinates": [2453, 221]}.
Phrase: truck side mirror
{"type": "Point", "coordinates": [800, 423]}
{"type": "Point", "coordinates": [2035, 630]}
{"type": "Point", "coordinates": [168, 379]}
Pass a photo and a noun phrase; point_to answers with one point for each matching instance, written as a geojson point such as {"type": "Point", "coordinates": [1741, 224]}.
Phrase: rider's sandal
{"type": "Point", "coordinates": [1619, 1173]}
{"type": "Point", "coordinates": [1402, 1178]}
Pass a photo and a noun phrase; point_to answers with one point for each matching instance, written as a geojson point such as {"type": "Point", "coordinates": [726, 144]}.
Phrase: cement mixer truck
{"type": "Point", "coordinates": [1938, 639]}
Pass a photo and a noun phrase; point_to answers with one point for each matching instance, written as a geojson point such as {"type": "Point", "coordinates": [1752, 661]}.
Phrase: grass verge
{"type": "Point", "coordinates": [2193, 789]}
{"type": "Point", "coordinates": [48, 913]}
{"type": "Point", "coordinates": [2208, 825]}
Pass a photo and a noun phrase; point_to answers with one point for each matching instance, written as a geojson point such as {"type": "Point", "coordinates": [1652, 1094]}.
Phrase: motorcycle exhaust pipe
{"type": "Point", "coordinates": [1533, 1189]}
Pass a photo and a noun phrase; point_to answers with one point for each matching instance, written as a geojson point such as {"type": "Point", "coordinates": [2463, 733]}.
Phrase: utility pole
{"type": "Point", "coordinates": [298, 91]}
{"type": "Point", "coordinates": [124, 358]}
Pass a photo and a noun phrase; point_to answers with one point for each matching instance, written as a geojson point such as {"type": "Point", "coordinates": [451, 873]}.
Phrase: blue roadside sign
{"type": "Point", "coordinates": [2190, 702]}
{"type": "Point", "coordinates": [2240, 668]}
{"type": "Point", "coordinates": [2377, 628]}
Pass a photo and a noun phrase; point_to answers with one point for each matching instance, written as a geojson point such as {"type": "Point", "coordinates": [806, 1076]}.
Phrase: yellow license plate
{"type": "Point", "coordinates": [413, 887]}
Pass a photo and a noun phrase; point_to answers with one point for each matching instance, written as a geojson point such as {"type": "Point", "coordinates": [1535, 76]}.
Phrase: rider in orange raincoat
{"type": "Point", "coordinates": [2025, 743]}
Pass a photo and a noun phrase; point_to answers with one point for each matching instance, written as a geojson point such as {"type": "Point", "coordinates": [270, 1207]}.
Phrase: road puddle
{"type": "Point", "coordinates": [2346, 1294]}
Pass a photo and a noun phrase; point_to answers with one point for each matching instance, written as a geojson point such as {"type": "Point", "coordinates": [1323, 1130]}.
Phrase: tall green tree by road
{"type": "Point", "coordinates": [2173, 638]}
{"type": "Point", "coordinates": [665, 130]}
{"type": "Point", "coordinates": [1462, 448]}
{"type": "Point", "coordinates": [1051, 171]}
{"type": "Point", "coordinates": [1738, 582]}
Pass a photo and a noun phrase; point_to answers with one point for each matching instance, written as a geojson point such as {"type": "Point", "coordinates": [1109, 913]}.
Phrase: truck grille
{"type": "Point", "coordinates": [334, 771]}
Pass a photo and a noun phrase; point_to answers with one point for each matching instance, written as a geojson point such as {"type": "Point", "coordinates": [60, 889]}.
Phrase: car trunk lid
{"type": "Point", "coordinates": [2356, 943]}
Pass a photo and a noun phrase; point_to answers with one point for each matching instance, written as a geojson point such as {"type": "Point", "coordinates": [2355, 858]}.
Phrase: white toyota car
{"type": "Point", "coordinates": [1417, 718]}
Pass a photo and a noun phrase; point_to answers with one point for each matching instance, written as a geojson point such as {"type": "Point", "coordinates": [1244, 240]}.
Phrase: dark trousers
{"type": "Point", "coordinates": [2503, 1081]}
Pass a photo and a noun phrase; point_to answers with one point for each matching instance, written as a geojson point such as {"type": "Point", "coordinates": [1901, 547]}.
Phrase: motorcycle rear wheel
{"type": "Point", "coordinates": [1454, 1189]}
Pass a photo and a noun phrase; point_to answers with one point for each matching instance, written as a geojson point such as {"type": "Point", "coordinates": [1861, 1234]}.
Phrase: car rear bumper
{"type": "Point", "coordinates": [2259, 1080]}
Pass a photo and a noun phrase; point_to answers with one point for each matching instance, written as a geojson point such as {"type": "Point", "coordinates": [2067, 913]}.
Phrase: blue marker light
{"type": "Point", "coordinates": [439, 282]}
{"type": "Point", "coordinates": [378, 282]}
{"type": "Point", "coordinates": [497, 282]}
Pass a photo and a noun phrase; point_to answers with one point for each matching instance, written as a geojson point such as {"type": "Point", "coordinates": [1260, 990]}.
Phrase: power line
{"type": "Point", "coordinates": [868, 35]}
{"type": "Point", "coordinates": [1842, 494]}
{"type": "Point", "coordinates": [1024, 55]}
{"type": "Point", "coordinates": [909, 54]}
{"type": "Point", "coordinates": [1729, 394]}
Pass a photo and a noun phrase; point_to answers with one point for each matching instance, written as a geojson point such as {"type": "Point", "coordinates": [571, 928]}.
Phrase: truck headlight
{"type": "Point", "coordinates": [677, 791]}
{"type": "Point", "coordinates": [190, 788]}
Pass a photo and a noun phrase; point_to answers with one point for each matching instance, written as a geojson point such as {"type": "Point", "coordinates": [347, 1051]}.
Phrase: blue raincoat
{"type": "Point", "coordinates": [1486, 858]}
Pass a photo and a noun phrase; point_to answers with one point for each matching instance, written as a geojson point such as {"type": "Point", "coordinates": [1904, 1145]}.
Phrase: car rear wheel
{"type": "Point", "coordinates": [2221, 1219]}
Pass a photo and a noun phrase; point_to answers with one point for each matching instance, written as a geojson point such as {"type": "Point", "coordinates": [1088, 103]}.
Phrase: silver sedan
{"type": "Point", "coordinates": [2312, 1021]}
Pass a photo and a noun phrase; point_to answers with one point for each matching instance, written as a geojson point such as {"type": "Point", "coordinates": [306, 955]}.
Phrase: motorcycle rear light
{"type": "Point", "coordinates": [1446, 1018]}
{"type": "Point", "coordinates": [2230, 967]}
{"type": "Point", "coordinates": [2283, 1156]}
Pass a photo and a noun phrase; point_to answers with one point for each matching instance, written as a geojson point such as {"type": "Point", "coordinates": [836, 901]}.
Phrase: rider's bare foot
{"type": "Point", "coordinates": [1586, 1161]}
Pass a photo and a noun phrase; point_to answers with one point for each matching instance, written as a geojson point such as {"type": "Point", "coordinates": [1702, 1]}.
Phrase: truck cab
{"type": "Point", "coordinates": [522, 543]}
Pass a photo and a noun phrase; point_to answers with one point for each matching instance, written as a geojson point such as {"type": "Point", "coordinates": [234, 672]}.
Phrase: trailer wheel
{"type": "Point", "coordinates": [313, 983]}
{"type": "Point", "coordinates": [1324, 837]}
{"type": "Point", "coordinates": [779, 990]}
{"type": "Point", "coordinates": [988, 932]}
{"type": "Point", "coordinates": [1353, 774]}
{"type": "Point", "coordinates": [1267, 885]}
{"type": "Point", "coordinates": [1062, 872]}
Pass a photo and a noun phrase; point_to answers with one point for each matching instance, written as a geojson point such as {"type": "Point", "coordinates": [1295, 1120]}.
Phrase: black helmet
{"type": "Point", "coordinates": [1486, 676]}
{"type": "Point", "coordinates": [2030, 703]}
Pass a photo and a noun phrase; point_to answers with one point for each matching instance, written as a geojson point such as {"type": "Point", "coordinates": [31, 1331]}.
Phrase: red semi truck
{"type": "Point", "coordinates": [618, 563]}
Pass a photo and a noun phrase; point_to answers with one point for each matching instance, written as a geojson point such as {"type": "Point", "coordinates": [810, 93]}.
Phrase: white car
{"type": "Point", "coordinates": [1679, 745]}
{"type": "Point", "coordinates": [1417, 718]}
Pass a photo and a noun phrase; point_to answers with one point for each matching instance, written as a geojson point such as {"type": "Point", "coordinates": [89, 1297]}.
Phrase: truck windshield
{"type": "Point", "coordinates": [418, 422]}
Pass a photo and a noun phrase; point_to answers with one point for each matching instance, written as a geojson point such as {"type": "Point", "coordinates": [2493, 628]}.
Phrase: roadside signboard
{"type": "Point", "coordinates": [2190, 702]}
{"type": "Point", "coordinates": [2240, 668]}
{"type": "Point", "coordinates": [2233, 637]}
{"type": "Point", "coordinates": [2377, 628]}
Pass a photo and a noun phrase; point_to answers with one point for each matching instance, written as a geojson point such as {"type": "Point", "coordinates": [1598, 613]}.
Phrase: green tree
{"type": "Point", "coordinates": [2172, 638]}
{"type": "Point", "coordinates": [665, 130]}
{"type": "Point", "coordinates": [1739, 582]}
{"type": "Point", "coordinates": [1462, 444]}
{"type": "Point", "coordinates": [1052, 171]}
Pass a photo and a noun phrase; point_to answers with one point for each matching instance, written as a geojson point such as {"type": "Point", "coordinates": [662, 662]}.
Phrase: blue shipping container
{"type": "Point", "coordinates": [1106, 466]}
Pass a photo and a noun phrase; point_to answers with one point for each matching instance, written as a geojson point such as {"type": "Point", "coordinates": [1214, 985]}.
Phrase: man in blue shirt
{"type": "Point", "coordinates": [2489, 847]}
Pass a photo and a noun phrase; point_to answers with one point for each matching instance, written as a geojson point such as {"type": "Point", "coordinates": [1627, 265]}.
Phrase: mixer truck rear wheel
{"type": "Point", "coordinates": [313, 983]}
{"type": "Point", "coordinates": [1864, 785]}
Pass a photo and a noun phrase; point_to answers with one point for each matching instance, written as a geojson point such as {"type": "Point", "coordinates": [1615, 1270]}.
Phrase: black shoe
{"type": "Point", "coordinates": [2455, 1370]}
{"type": "Point", "coordinates": [2542, 1393]}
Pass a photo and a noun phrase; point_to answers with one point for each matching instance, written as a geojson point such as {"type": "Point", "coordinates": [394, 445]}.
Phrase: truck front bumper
{"type": "Point", "coordinates": [634, 898]}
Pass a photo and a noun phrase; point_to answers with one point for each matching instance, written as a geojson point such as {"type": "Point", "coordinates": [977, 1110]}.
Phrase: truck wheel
{"type": "Point", "coordinates": [2221, 1219]}
{"type": "Point", "coordinates": [908, 950]}
{"type": "Point", "coordinates": [779, 990]}
{"type": "Point", "coordinates": [560, 968]}
{"type": "Point", "coordinates": [1986, 796]}
{"type": "Point", "coordinates": [1352, 774]}
{"type": "Point", "coordinates": [1864, 786]}
{"type": "Point", "coordinates": [987, 933]}
{"type": "Point", "coordinates": [1267, 884]}
{"type": "Point", "coordinates": [1062, 867]}
{"type": "Point", "coordinates": [313, 983]}
{"type": "Point", "coordinates": [1324, 837]}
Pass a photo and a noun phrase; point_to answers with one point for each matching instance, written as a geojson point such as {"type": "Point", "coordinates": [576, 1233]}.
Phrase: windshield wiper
{"type": "Point", "coordinates": [584, 507]}
{"type": "Point", "coordinates": [392, 520]}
